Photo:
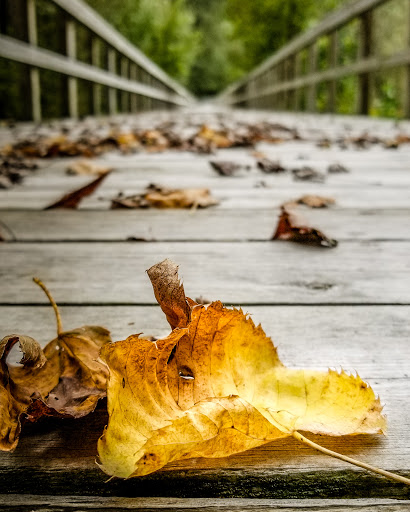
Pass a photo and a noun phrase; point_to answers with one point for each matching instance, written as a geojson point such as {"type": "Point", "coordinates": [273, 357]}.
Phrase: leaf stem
{"type": "Point", "coordinates": [52, 302]}
{"type": "Point", "coordinates": [363, 465]}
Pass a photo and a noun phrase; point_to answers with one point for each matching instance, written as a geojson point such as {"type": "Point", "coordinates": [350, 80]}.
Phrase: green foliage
{"type": "Point", "coordinates": [163, 29]}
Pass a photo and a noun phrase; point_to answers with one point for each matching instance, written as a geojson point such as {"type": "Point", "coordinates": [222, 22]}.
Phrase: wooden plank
{"type": "Point", "coordinates": [27, 54]}
{"type": "Point", "coordinates": [306, 336]}
{"type": "Point", "coordinates": [59, 503]}
{"type": "Point", "coordinates": [23, 198]}
{"type": "Point", "coordinates": [236, 273]}
{"type": "Point", "coordinates": [198, 225]}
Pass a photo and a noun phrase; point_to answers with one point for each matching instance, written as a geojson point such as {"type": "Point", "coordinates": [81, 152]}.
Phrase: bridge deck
{"type": "Point", "coordinates": [345, 307]}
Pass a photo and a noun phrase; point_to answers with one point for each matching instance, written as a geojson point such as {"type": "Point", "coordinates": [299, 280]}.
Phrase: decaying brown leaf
{"type": "Point", "coordinates": [308, 174]}
{"type": "Point", "coordinates": [313, 201]}
{"type": "Point", "coordinates": [73, 199]}
{"type": "Point", "coordinates": [292, 229]}
{"type": "Point", "coordinates": [225, 168]}
{"type": "Point", "coordinates": [157, 196]}
{"type": "Point", "coordinates": [270, 166]}
{"type": "Point", "coordinates": [214, 387]}
{"type": "Point", "coordinates": [86, 167]}
{"type": "Point", "coordinates": [64, 379]}
{"type": "Point", "coordinates": [337, 169]}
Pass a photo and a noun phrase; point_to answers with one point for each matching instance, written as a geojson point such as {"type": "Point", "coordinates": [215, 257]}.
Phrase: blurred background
{"type": "Point", "coordinates": [205, 45]}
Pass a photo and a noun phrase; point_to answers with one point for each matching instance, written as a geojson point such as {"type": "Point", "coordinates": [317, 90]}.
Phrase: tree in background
{"type": "Point", "coordinates": [163, 29]}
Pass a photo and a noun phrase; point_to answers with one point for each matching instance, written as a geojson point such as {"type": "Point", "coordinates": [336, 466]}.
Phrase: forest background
{"type": "Point", "coordinates": [207, 44]}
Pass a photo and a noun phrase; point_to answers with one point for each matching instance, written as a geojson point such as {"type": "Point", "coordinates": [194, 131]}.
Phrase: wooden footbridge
{"type": "Point", "coordinates": [345, 307]}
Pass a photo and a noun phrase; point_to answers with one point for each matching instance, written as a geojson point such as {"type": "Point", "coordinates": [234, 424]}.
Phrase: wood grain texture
{"type": "Point", "coordinates": [236, 273]}
{"type": "Point", "coordinates": [198, 225]}
{"type": "Point", "coordinates": [69, 503]}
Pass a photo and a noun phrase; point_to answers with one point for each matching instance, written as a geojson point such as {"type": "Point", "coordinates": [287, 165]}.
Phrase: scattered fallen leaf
{"type": "Point", "coordinates": [225, 168]}
{"type": "Point", "coordinates": [64, 379]}
{"type": "Point", "coordinates": [308, 174]}
{"type": "Point", "coordinates": [218, 139]}
{"type": "Point", "coordinates": [258, 154]}
{"type": "Point", "coordinates": [86, 167]}
{"type": "Point", "coordinates": [161, 197]}
{"type": "Point", "coordinates": [73, 199]}
{"type": "Point", "coordinates": [337, 169]}
{"type": "Point", "coordinates": [314, 201]}
{"type": "Point", "coordinates": [295, 230]}
{"type": "Point", "coordinates": [270, 166]}
{"type": "Point", "coordinates": [214, 387]}
{"type": "Point", "coordinates": [13, 170]}
{"type": "Point", "coordinates": [324, 143]}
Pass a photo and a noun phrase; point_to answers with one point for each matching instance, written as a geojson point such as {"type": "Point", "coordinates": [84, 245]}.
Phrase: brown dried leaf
{"type": "Point", "coordinates": [225, 168]}
{"type": "Point", "coordinates": [292, 229]}
{"type": "Point", "coordinates": [64, 379]}
{"type": "Point", "coordinates": [73, 199]}
{"type": "Point", "coordinates": [161, 197]}
{"type": "Point", "coordinates": [337, 169]}
{"type": "Point", "coordinates": [314, 201]}
{"type": "Point", "coordinates": [86, 167]}
{"type": "Point", "coordinates": [270, 166]}
{"type": "Point", "coordinates": [170, 293]}
{"type": "Point", "coordinates": [308, 174]}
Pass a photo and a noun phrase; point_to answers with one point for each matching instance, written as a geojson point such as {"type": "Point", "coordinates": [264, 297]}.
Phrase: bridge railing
{"type": "Point", "coordinates": [294, 77]}
{"type": "Point", "coordinates": [130, 81]}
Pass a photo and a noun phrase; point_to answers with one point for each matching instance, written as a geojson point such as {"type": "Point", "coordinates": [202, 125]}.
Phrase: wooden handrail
{"type": "Point", "coordinates": [160, 91]}
{"type": "Point", "coordinates": [253, 90]}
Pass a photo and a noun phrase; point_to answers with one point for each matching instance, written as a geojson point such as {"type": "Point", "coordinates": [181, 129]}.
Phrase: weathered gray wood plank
{"type": "Point", "coordinates": [254, 198]}
{"type": "Point", "coordinates": [372, 340]}
{"type": "Point", "coordinates": [198, 225]}
{"type": "Point", "coordinates": [238, 273]}
{"type": "Point", "coordinates": [66, 503]}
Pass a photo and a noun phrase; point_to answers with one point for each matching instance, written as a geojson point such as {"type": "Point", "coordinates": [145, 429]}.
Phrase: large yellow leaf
{"type": "Point", "coordinates": [214, 387]}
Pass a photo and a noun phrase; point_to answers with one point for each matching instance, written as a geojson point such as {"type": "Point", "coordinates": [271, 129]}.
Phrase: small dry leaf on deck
{"type": "Point", "coordinates": [13, 170]}
{"type": "Point", "coordinates": [156, 196]}
{"type": "Point", "coordinates": [86, 167]}
{"type": "Point", "coordinates": [215, 387]}
{"type": "Point", "coordinates": [312, 201]}
{"type": "Point", "coordinates": [294, 229]}
{"type": "Point", "coordinates": [337, 169]}
{"type": "Point", "coordinates": [270, 166]}
{"type": "Point", "coordinates": [225, 168]}
{"type": "Point", "coordinates": [73, 199]}
{"type": "Point", "coordinates": [308, 174]}
{"type": "Point", "coordinates": [64, 379]}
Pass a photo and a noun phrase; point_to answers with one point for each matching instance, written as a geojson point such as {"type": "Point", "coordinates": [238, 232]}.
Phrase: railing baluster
{"type": "Point", "coordinates": [312, 67]}
{"type": "Point", "coordinates": [112, 93]}
{"type": "Point", "coordinates": [124, 94]}
{"type": "Point", "coordinates": [133, 98]}
{"type": "Point", "coordinates": [333, 56]}
{"type": "Point", "coordinates": [34, 72]}
{"type": "Point", "coordinates": [72, 84]}
{"type": "Point", "coordinates": [96, 61]}
{"type": "Point", "coordinates": [365, 50]}
{"type": "Point", "coordinates": [406, 91]}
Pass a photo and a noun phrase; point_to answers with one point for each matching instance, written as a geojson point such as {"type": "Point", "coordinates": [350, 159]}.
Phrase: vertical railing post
{"type": "Point", "coordinates": [96, 61]}
{"type": "Point", "coordinates": [312, 67]}
{"type": "Point", "coordinates": [124, 95]}
{"type": "Point", "coordinates": [406, 102]}
{"type": "Point", "coordinates": [133, 78]}
{"type": "Point", "coordinates": [112, 93]}
{"type": "Point", "coordinates": [34, 72]}
{"type": "Point", "coordinates": [333, 56]}
{"type": "Point", "coordinates": [298, 90]}
{"type": "Point", "coordinates": [71, 50]}
{"type": "Point", "coordinates": [365, 50]}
